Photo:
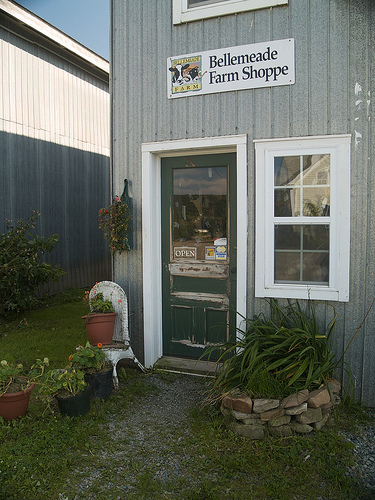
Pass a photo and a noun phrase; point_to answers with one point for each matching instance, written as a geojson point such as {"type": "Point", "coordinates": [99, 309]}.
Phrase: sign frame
{"type": "Point", "coordinates": [258, 65]}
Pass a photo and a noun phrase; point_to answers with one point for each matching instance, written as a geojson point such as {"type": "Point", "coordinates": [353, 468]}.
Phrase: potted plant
{"type": "Point", "coordinates": [100, 322]}
{"type": "Point", "coordinates": [16, 385]}
{"type": "Point", "coordinates": [98, 370]}
{"type": "Point", "coordinates": [114, 221]}
{"type": "Point", "coordinates": [69, 387]}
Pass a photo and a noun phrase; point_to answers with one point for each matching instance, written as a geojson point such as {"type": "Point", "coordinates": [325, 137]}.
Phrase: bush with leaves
{"type": "Point", "coordinates": [21, 272]}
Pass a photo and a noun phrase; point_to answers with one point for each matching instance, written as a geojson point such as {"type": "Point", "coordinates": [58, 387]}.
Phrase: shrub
{"type": "Point", "coordinates": [279, 355]}
{"type": "Point", "coordinates": [21, 272]}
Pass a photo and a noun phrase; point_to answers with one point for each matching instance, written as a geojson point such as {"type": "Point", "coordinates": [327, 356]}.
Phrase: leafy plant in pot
{"type": "Point", "coordinates": [100, 322]}
{"type": "Point", "coordinates": [69, 387]}
{"type": "Point", "coordinates": [98, 370]}
{"type": "Point", "coordinates": [16, 384]}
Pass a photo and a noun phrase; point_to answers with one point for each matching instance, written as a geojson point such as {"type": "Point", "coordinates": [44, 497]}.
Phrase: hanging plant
{"type": "Point", "coordinates": [114, 221]}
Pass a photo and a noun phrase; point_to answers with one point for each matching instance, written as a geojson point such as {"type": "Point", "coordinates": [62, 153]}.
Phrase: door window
{"type": "Point", "coordinates": [200, 213]}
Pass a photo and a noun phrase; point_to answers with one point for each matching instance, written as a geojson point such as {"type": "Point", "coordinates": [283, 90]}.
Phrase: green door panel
{"type": "Point", "coordinates": [198, 252]}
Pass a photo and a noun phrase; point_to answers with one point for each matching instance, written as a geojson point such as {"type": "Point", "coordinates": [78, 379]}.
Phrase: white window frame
{"type": "Point", "coordinates": [338, 146]}
{"type": "Point", "coordinates": [183, 14]}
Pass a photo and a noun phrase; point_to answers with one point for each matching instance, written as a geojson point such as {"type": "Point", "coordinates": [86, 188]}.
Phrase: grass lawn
{"type": "Point", "coordinates": [42, 455]}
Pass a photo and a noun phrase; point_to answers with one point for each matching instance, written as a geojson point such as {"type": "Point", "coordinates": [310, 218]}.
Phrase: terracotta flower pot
{"type": "Point", "coordinates": [14, 404]}
{"type": "Point", "coordinates": [100, 327]}
{"type": "Point", "coordinates": [75, 406]}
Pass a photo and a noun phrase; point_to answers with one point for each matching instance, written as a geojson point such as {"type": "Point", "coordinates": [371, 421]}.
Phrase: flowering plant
{"type": "Point", "coordinates": [14, 377]}
{"type": "Point", "coordinates": [98, 304]}
{"type": "Point", "coordinates": [89, 358]}
{"type": "Point", "coordinates": [114, 221]}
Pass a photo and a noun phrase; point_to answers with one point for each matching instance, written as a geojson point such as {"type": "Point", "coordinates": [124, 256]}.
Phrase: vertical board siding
{"type": "Point", "coordinates": [332, 94]}
{"type": "Point", "coordinates": [54, 146]}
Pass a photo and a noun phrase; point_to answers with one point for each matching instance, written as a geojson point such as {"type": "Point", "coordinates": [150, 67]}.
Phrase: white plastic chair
{"type": "Point", "coordinates": [120, 347]}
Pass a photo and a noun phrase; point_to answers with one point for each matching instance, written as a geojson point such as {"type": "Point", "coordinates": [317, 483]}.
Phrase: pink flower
{"type": "Point", "coordinates": [119, 301]}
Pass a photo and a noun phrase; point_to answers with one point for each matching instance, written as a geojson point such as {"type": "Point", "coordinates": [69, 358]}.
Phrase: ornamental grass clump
{"type": "Point", "coordinates": [277, 356]}
{"type": "Point", "coordinates": [114, 221]}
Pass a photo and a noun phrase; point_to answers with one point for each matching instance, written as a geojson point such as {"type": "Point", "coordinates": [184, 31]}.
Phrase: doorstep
{"type": "Point", "coordinates": [186, 365]}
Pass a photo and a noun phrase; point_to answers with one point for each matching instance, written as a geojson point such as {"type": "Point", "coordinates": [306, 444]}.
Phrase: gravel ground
{"type": "Point", "coordinates": [364, 454]}
{"type": "Point", "coordinates": [149, 427]}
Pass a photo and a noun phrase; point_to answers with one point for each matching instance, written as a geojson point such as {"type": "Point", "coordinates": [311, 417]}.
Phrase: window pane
{"type": "Point", "coordinates": [316, 202]}
{"type": "Point", "coordinates": [302, 186]}
{"type": "Point", "coordinates": [200, 207]}
{"type": "Point", "coordinates": [301, 254]}
{"type": "Point", "coordinates": [287, 267]}
{"type": "Point", "coordinates": [287, 170]}
{"type": "Point", "coordinates": [287, 202]}
{"type": "Point", "coordinates": [287, 237]}
{"type": "Point", "coordinates": [316, 185]}
{"type": "Point", "coordinates": [316, 237]}
{"type": "Point", "coordinates": [315, 267]}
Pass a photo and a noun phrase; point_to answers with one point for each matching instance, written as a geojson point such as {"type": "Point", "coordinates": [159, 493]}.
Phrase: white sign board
{"type": "Point", "coordinates": [265, 64]}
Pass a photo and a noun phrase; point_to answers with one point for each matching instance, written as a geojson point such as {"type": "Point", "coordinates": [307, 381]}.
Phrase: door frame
{"type": "Point", "coordinates": [152, 152]}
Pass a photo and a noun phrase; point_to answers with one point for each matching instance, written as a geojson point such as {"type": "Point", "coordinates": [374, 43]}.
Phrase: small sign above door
{"type": "Point", "coordinates": [185, 253]}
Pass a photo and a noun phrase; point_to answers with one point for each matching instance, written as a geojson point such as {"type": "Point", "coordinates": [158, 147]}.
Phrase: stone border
{"type": "Point", "coordinates": [300, 413]}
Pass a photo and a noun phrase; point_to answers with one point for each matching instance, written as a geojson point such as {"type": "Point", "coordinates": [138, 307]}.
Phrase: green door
{"type": "Point", "coordinates": [198, 252]}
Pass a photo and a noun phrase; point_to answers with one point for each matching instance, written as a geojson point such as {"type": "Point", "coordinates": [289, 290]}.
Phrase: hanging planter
{"type": "Point", "coordinates": [114, 221]}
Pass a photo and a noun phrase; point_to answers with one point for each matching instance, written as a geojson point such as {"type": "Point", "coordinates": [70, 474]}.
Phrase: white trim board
{"type": "Point", "coordinates": [152, 153]}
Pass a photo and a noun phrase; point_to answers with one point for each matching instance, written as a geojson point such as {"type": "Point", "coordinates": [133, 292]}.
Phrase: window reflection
{"type": "Point", "coordinates": [302, 186]}
{"type": "Point", "coordinates": [302, 253]}
{"type": "Point", "coordinates": [199, 208]}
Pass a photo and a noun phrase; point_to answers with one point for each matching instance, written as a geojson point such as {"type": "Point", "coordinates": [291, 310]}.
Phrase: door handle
{"type": "Point", "coordinates": [233, 270]}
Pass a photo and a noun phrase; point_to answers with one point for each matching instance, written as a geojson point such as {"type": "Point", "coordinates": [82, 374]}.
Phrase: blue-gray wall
{"type": "Point", "coordinates": [333, 94]}
{"type": "Point", "coordinates": [54, 142]}
{"type": "Point", "coordinates": [67, 186]}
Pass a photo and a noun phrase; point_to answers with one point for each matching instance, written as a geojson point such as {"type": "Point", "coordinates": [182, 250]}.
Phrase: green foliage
{"type": "Point", "coordinates": [21, 272]}
{"type": "Point", "coordinates": [52, 330]}
{"type": "Point", "coordinates": [279, 355]}
{"type": "Point", "coordinates": [98, 304]}
{"type": "Point", "coordinates": [114, 221]}
{"type": "Point", "coordinates": [60, 381]}
{"type": "Point", "coordinates": [45, 456]}
{"type": "Point", "coordinates": [89, 358]}
{"type": "Point", "coordinates": [16, 373]}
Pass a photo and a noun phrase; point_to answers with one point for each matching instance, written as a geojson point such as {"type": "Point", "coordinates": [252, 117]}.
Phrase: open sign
{"type": "Point", "coordinates": [185, 253]}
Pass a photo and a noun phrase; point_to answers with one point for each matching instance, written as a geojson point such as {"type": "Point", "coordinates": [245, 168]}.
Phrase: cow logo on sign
{"type": "Point", "coordinates": [185, 74]}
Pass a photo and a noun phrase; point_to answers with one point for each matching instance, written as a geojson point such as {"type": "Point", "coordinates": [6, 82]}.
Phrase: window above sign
{"type": "Point", "coordinates": [185, 11]}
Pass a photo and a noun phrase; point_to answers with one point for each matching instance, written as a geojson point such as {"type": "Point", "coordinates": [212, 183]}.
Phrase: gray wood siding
{"type": "Point", "coordinates": [54, 150]}
{"type": "Point", "coordinates": [333, 94]}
